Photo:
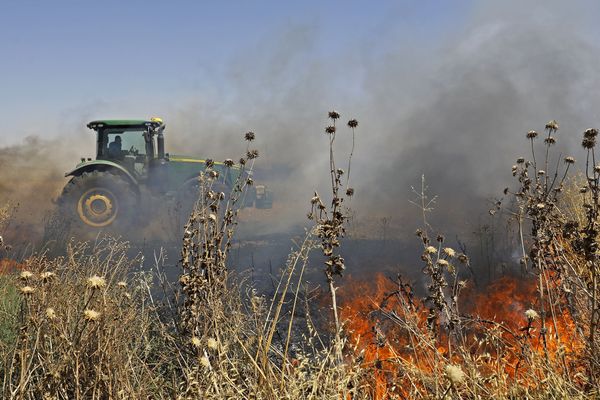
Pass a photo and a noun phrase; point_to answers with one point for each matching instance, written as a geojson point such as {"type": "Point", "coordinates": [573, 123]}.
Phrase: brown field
{"type": "Point", "coordinates": [90, 324]}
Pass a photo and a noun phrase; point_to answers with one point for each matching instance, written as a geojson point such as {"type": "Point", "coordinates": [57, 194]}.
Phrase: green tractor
{"type": "Point", "coordinates": [131, 172]}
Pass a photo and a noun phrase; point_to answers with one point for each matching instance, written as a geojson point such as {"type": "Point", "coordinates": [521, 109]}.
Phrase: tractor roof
{"type": "Point", "coordinates": [124, 123]}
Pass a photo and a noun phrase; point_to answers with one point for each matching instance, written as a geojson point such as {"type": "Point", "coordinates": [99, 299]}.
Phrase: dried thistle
{"type": "Point", "coordinates": [50, 313]}
{"type": "Point", "coordinates": [531, 315]}
{"type": "Point", "coordinates": [249, 136]}
{"type": "Point", "coordinates": [334, 115]}
{"type": "Point", "coordinates": [91, 315]}
{"type": "Point", "coordinates": [196, 342]}
{"type": "Point", "coordinates": [27, 290]}
{"type": "Point", "coordinates": [552, 126]}
{"type": "Point", "coordinates": [25, 275]}
{"type": "Point", "coordinates": [532, 134]}
{"type": "Point", "coordinates": [455, 374]}
{"type": "Point", "coordinates": [449, 252]}
{"type": "Point", "coordinates": [588, 142]}
{"type": "Point", "coordinates": [47, 276]}
{"type": "Point", "coordinates": [96, 282]}
{"type": "Point", "coordinates": [431, 250]}
{"type": "Point", "coordinates": [590, 133]}
{"type": "Point", "coordinates": [211, 343]}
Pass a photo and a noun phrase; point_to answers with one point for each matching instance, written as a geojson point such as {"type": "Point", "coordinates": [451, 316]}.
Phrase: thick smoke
{"type": "Point", "coordinates": [456, 111]}
{"type": "Point", "coordinates": [31, 178]}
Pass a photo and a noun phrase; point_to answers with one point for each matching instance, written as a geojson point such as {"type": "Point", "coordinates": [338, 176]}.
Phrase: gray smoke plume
{"type": "Point", "coordinates": [456, 113]}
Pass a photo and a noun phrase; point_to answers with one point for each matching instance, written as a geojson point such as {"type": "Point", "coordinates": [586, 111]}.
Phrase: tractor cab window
{"type": "Point", "coordinates": [127, 147]}
{"type": "Point", "coordinates": [122, 144]}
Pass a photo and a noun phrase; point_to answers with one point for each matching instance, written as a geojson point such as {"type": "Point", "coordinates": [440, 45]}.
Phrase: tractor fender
{"type": "Point", "coordinates": [104, 165]}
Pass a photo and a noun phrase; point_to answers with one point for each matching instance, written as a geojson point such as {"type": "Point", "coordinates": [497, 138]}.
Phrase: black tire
{"type": "Point", "coordinates": [99, 200]}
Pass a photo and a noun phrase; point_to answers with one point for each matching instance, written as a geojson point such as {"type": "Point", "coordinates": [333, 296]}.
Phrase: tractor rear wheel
{"type": "Point", "coordinates": [98, 200]}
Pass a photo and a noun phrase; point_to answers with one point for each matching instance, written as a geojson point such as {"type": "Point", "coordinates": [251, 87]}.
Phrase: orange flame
{"type": "Point", "coordinates": [395, 336]}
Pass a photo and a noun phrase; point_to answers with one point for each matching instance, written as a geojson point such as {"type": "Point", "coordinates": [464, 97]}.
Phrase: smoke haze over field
{"type": "Point", "coordinates": [453, 105]}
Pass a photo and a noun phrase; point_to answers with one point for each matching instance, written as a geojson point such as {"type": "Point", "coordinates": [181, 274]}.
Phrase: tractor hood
{"type": "Point", "coordinates": [191, 159]}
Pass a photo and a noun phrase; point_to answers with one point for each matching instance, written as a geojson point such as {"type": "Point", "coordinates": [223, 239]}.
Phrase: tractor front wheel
{"type": "Point", "coordinates": [97, 200]}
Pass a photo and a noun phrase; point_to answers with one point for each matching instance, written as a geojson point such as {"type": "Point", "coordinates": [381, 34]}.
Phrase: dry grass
{"type": "Point", "coordinates": [85, 326]}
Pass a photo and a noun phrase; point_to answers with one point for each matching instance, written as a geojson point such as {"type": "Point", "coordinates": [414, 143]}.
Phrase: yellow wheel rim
{"type": "Point", "coordinates": [98, 207]}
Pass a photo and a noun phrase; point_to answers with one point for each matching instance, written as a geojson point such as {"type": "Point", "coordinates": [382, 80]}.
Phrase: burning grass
{"type": "Point", "coordinates": [85, 326]}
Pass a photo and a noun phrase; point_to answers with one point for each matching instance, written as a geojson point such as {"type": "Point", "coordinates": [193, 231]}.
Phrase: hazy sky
{"type": "Point", "coordinates": [65, 61]}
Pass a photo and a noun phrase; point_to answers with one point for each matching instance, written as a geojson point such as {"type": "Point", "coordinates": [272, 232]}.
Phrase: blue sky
{"type": "Point", "coordinates": [70, 59]}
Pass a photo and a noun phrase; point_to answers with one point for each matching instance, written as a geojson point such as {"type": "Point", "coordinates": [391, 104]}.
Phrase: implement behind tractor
{"type": "Point", "coordinates": [132, 171]}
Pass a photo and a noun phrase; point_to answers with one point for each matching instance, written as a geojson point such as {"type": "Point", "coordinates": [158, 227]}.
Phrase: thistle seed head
{"type": "Point", "coordinates": [532, 134]}
{"type": "Point", "coordinates": [455, 374]}
{"type": "Point", "coordinates": [205, 362]}
{"type": "Point", "coordinates": [550, 140]}
{"type": "Point", "coordinates": [552, 125]}
{"type": "Point", "coordinates": [50, 313]}
{"type": "Point", "coordinates": [590, 133]}
{"type": "Point", "coordinates": [196, 342]}
{"type": "Point", "coordinates": [531, 315]}
{"type": "Point", "coordinates": [588, 142]}
{"type": "Point", "coordinates": [229, 162]}
{"type": "Point", "coordinates": [96, 282]}
{"type": "Point", "coordinates": [91, 315]}
{"type": "Point", "coordinates": [211, 343]}
{"type": "Point", "coordinates": [353, 123]}
{"type": "Point", "coordinates": [443, 263]}
{"type": "Point", "coordinates": [334, 115]}
{"type": "Point", "coordinates": [47, 276]}
{"type": "Point", "coordinates": [463, 258]}
{"type": "Point", "coordinates": [249, 136]}
{"type": "Point", "coordinates": [209, 163]}
{"type": "Point", "coordinates": [449, 252]}
{"type": "Point", "coordinates": [569, 160]}
{"type": "Point", "coordinates": [330, 129]}
{"type": "Point", "coordinates": [27, 290]}
{"type": "Point", "coordinates": [25, 275]}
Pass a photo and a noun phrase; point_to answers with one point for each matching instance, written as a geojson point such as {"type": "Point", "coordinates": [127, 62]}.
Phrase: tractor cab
{"type": "Point", "coordinates": [133, 144]}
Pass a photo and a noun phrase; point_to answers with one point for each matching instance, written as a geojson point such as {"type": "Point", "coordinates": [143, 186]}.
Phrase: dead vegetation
{"type": "Point", "coordinates": [87, 325]}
